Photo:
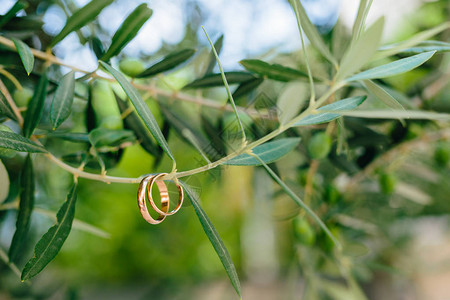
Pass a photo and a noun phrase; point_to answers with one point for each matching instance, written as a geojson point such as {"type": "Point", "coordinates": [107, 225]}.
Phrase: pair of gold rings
{"type": "Point", "coordinates": [145, 187]}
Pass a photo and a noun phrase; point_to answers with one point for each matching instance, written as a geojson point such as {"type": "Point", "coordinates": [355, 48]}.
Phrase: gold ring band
{"type": "Point", "coordinates": [143, 186]}
{"type": "Point", "coordinates": [164, 196]}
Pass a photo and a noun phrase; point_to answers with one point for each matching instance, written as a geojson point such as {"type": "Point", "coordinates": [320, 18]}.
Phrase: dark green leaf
{"type": "Point", "coordinates": [344, 104]}
{"type": "Point", "coordinates": [80, 18]}
{"type": "Point", "coordinates": [25, 55]}
{"type": "Point", "coordinates": [70, 136]}
{"type": "Point", "coordinates": [51, 242]}
{"type": "Point", "coordinates": [394, 68]}
{"type": "Point", "coordinates": [18, 6]}
{"type": "Point", "coordinates": [214, 238]}
{"type": "Point", "coordinates": [246, 87]}
{"type": "Point", "coordinates": [212, 59]}
{"type": "Point", "coordinates": [17, 142]}
{"type": "Point", "coordinates": [396, 114]}
{"type": "Point", "coordinates": [25, 208]}
{"type": "Point", "coordinates": [311, 31]}
{"type": "Point", "coordinates": [134, 123]}
{"type": "Point", "coordinates": [268, 152]}
{"type": "Point", "coordinates": [5, 109]}
{"type": "Point", "coordinates": [272, 71]}
{"type": "Point", "coordinates": [213, 80]}
{"type": "Point", "coordinates": [62, 102]}
{"type": "Point", "coordinates": [141, 108]}
{"type": "Point", "coordinates": [128, 30]}
{"type": "Point", "coordinates": [97, 47]}
{"type": "Point", "coordinates": [167, 63]}
{"type": "Point", "coordinates": [107, 137]}
{"type": "Point", "coordinates": [361, 50]}
{"type": "Point", "coordinates": [35, 107]}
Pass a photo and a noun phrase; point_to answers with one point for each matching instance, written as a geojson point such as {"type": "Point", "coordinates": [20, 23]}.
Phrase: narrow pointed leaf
{"type": "Point", "coordinates": [77, 137]}
{"type": "Point", "coordinates": [81, 18]}
{"type": "Point", "coordinates": [51, 242]}
{"type": "Point", "coordinates": [311, 31]}
{"type": "Point", "coordinates": [35, 107]}
{"type": "Point", "coordinates": [5, 109]}
{"type": "Point", "coordinates": [19, 143]}
{"type": "Point", "coordinates": [62, 102]}
{"type": "Point", "coordinates": [169, 62]}
{"type": "Point", "coordinates": [394, 68]}
{"type": "Point", "coordinates": [389, 50]}
{"type": "Point", "coordinates": [4, 182]}
{"type": "Point", "coordinates": [25, 55]}
{"type": "Point", "coordinates": [18, 6]}
{"type": "Point", "coordinates": [396, 114]}
{"type": "Point", "coordinates": [128, 30]}
{"type": "Point", "coordinates": [141, 108]}
{"type": "Point", "coordinates": [214, 80]}
{"type": "Point", "coordinates": [212, 59]}
{"type": "Point", "coordinates": [358, 26]}
{"type": "Point", "coordinates": [268, 152]}
{"type": "Point", "coordinates": [360, 52]}
{"type": "Point", "coordinates": [427, 46]}
{"type": "Point", "coordinates": [383, 95]}
{"type": "Point", "coordinates": [272, 71]}
{"type": "Point", "coordinates": [108, 137]}
{"type": "Point", "coordinates": [247, 87]}
{"type": "Point", "coordinates": [323, 117]}
{"type": "Point", "coordinates": [290, 101]}
{"type": "Point", "coordinates": [134, 123]}
{"type": "Point", "coordinates": [25, 209]}
{"type": "Point", "coordinates": [214, 238]}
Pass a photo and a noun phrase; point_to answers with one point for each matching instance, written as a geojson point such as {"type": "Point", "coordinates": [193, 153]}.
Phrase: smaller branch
{"type": "Point", "coordinates": [11, 102]}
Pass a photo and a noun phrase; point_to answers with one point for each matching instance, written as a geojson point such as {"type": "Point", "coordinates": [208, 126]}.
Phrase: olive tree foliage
{"type": "Point", "coordinates": [335, 110]}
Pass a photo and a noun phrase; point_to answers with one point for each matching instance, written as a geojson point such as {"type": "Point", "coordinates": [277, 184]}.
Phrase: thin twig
{"type": "Point", "coordinates": [11, 103]}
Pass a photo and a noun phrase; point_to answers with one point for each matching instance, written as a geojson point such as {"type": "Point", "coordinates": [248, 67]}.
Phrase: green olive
{"type": "Point", "coordinates": [319, 145]}
{"type": "Point", "coordinates": [332, 194]}
{"type": "Point", "coordinates": [22, 96]}
{"type": "Point", "coordinates": [112, 122]}
{"type": "Point", "coordinates": [387, 183]}
{"type": "Point", "coordinates": [6, 153]}
{"type": "Point", "coordinates": [131, 66]}
{"type": "Point", "coordinates": [442, 154]}
{"type": "Point", "coordinates": [104, 103]}
{"type": "Point", "coordinates": [303, 231]}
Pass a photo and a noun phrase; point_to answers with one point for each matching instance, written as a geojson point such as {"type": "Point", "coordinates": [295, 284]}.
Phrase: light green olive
{"type": "Point", "coordinates": [112, 122]}
{"type": "Point", "coordinates": [131, 66]}
{"type": "Point", "coordinates": [23, 96]}
{"type": "Point", "coordinates": [6, 153]}
{"type": "Point", "coordinates": [319, 145]}
{"type": "Point", "coordinates": [303, 231]}
{"type": "Point", "coordinates": [104, 103]}
{"type": "Point", "coordinates": [387, 183]}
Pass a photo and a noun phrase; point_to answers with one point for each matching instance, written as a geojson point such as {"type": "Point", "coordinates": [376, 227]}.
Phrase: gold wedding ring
{"type": "Point", "coordinates": [146, 186]}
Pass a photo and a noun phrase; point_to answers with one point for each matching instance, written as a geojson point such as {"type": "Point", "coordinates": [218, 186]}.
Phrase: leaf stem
{"type": "Point", "coordinates": [11, 102]}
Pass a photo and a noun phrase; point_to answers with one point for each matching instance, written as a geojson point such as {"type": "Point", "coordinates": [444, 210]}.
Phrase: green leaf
{"type": "Point", "coordinates": [383, 95]}
{"type": "Point", "coordinates": [322, 117]}
{"type": "Point", "coordinates": [394, 68]}
{"type": "Point", "coordinates": [246, 87]}
{"type": "Point", "coordinates": [213, 80]}
{"type": "Point", "coordinates": [268, 152]}
{"type": "Point", "coordinates": [51, 242]}
{"type": "Point", "coordinates": [416, 39]}
{"type": "Point", "coordinates": [290, 101]}
{"type": "Point", "coordinates": [169, 62]}
{"type": "Point", "coordinates": [396, 114]}
{"type": "Point", "coordinates": [272, 71]}
{"type": "Point", "coordinates": [134, 123]}
{"type": "Point", "coordinates": [62, 102]}
{"type": "Point", "coordinates": [212, 59]}
{"type": "Point", "coordinates": [141, 108]}
{"type": "Point", "coordinates": [80, 18]}
{"type": "Point", "coordinates": [426, 46]}
{"type": "Point", "coordinates": [108, 137]}
{"type": "Point", "coordinates": [70, 136]}
{"type": "Point", "coordinates": [19, 143]}
{"type": "Point", "coordinates": [25, 209]}
{"type": "Point", "coordinates": [4, 182]}
{"type": "Point", "coordinates": [360, 20]}
{"type": "Point", "coordinates": [35, 107]}
{"type": "Point", "coordinates": [360, 52]}
{"type": "Point", "coordinates": [214, 238]}
{"type": "Point", "coordinates": [128, 30]}
{"type": "Point", "coordinates": [25, 55]}
{"type": "Point", "coordinates": [18, 6]}
{"type": "Point", "coordinates": [311, 31]}
{"type": "Point", "coordinates": [5, 109]}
